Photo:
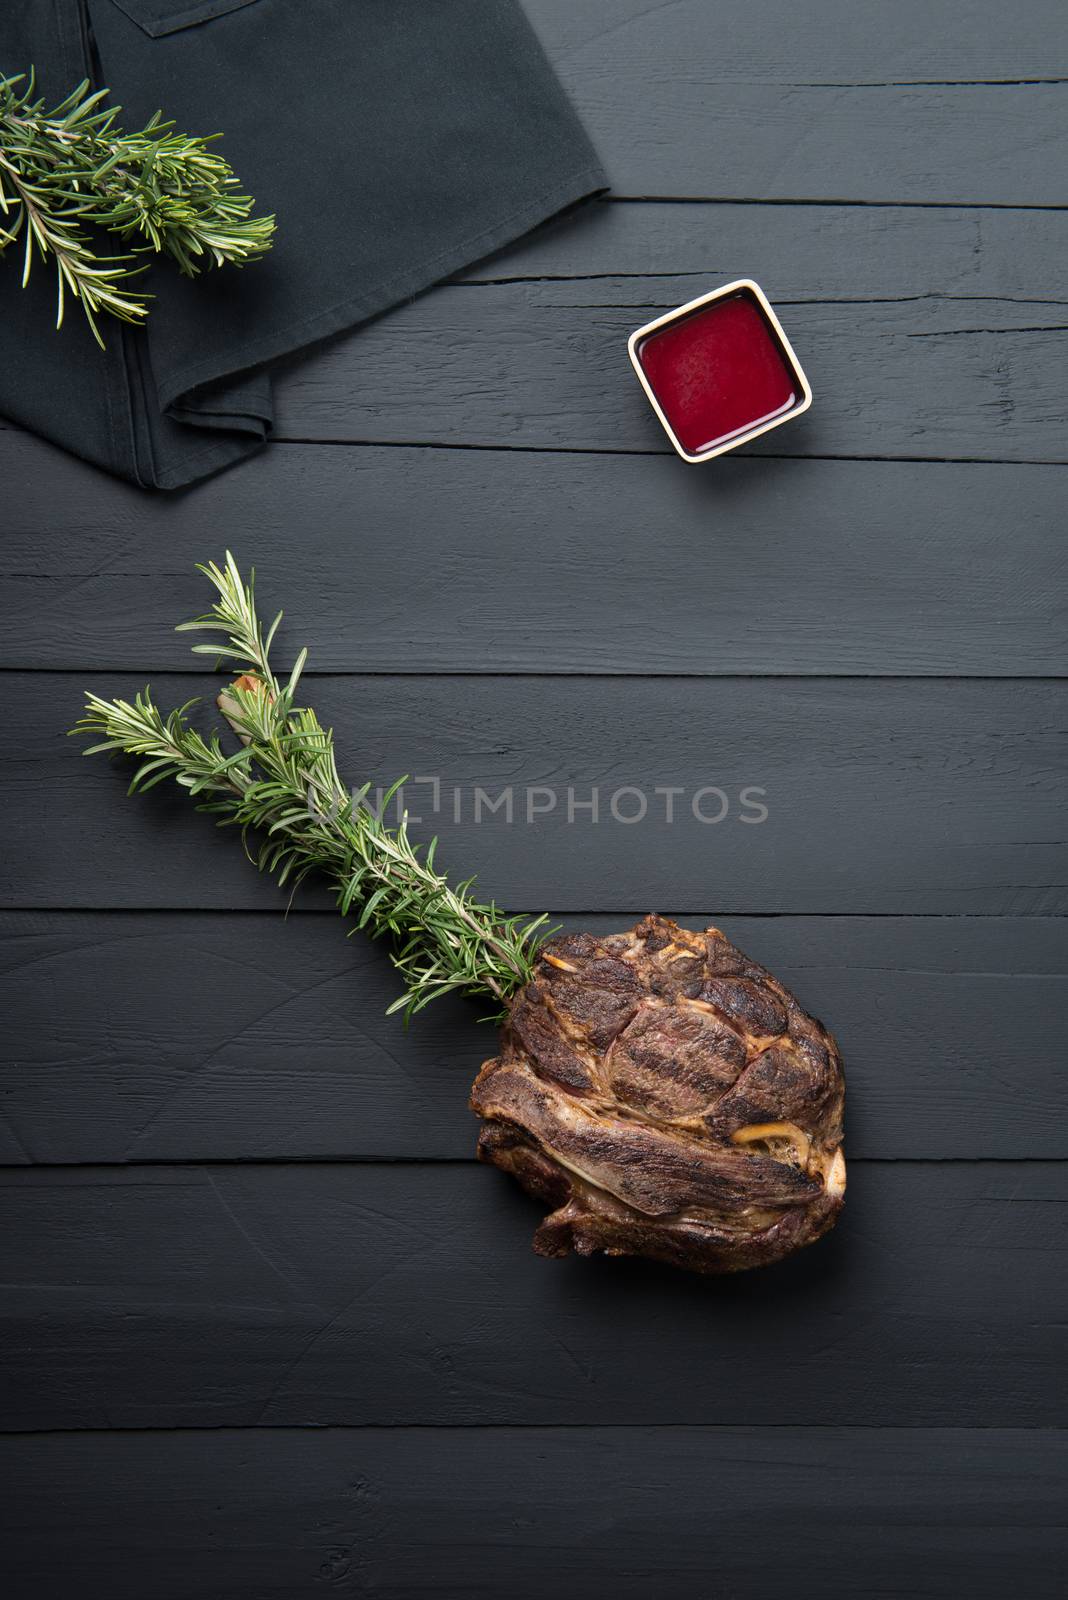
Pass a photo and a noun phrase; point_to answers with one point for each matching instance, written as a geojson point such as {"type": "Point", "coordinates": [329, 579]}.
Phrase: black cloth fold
{"type": "Point", "coordinates": [397, 141]}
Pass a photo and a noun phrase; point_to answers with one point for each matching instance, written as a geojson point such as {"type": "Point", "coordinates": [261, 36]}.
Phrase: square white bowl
{"type": "Point", "coordinates": [679, 314]}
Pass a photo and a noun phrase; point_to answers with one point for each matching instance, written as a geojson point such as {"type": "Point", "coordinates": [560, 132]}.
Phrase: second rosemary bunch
{"type": "Point", "coordinates": [283, 785]}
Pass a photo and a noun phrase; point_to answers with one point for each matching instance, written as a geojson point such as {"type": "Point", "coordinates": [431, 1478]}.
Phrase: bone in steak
{"type": "Point", "coordinates": [664, 1094]}
{"type": "Point", "coordinates": [668, 1098]}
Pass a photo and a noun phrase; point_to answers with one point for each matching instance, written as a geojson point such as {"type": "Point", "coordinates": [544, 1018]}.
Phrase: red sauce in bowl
{"type": "Point", "coordinates": [719, 371]}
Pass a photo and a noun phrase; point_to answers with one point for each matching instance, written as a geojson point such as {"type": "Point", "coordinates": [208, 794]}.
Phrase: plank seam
{"type": "Point", "coordinates": [474, 282]}
{"type": "Point", "coordinates": [888, 83]}
{"type": "Point", "coordinates": [821, 200]}
{"type": "Point", "coordinates": [962, 1429]}
{"type": "Point", "coordinates": [303, 442]}
{"type": "Point", "coordinates": [592, 677]}
{"type": "Point", "coordinates": [583, 450]}
{"type": "Point", "coordinates": [272, 1163]}
{"type": "Point", "coordinates": [328, 912]}
{"type": "Point", "coordinates": [13, 908]}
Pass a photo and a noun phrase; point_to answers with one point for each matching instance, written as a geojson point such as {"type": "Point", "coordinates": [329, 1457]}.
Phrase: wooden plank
{"type": "Point", "coordinates": [803, 252]}
{"type": "Point", "coordinates": [925, 334]}
{"type": "Point", "coordinates": [543, 366]}
{"type": "Point", "coordinates": [763, 102]}
{"type": "Point", "coordinates": [174, 1037]}
{"type": "Point", "coordinates": [832, 42]}
{"type": "Point", "coordinates": [405, 1293]}
{"type": "Point", "coordinates": [883, 795]}
{"type": "Point", "coordinates": [609, 1513]}
{"type": "Point", "coordinates": [474, 561]}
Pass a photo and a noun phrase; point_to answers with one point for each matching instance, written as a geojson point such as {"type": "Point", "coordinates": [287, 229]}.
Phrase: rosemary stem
{"type": "Point", "coordinates": [283, 785]}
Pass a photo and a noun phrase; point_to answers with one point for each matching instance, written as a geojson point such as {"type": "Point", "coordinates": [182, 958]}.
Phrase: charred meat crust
{"type": "Point", "coordinates": [666, 1097]}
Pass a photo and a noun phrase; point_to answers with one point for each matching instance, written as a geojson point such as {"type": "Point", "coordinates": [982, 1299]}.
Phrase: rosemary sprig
{"type": "Point", "coordinates": [283, 784]}
{"type": "Point", "coordinates": [64, 168]}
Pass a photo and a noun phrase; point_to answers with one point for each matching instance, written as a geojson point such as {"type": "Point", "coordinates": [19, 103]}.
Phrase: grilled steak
{"type": "Point", "coordinates": [667, 1098]}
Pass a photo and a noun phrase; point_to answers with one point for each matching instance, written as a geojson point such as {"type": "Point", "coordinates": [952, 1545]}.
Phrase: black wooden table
{"type": "Point", "coordinates": [270, 1332]}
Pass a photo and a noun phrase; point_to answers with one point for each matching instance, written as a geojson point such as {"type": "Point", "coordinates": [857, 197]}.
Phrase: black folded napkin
{"type": "Point", "coordinates": [397, 141]}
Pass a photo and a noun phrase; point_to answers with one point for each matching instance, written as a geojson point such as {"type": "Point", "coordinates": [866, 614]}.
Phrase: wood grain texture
{"type": "Point", "coordinates": [745, 105]}
{"type": "Point", "coordinates": [932, 334]}
{"type": "Point", "coordinates": [544, 366]}
{"type": "Point", "coordinates": [477, 561]}
{"type": "Point", "coordinates": [404, 1293]}
{"type": "Point", "coordinates": [175, 1037]}
{"type": "Point", "coordinates": [817, 253]}
{"type": "Point", "coordinates": [610, 1514]}
{"type": "Point", "coordinates": [883, 795]}
{"type": "Point", "coordinates": [830, 41]}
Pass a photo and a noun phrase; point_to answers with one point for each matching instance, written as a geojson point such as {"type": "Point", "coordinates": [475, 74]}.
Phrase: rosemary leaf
{"type": "Point", "coordinates": [283, 787]}
{"type": "Point", "coordinates": [157, 189]}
